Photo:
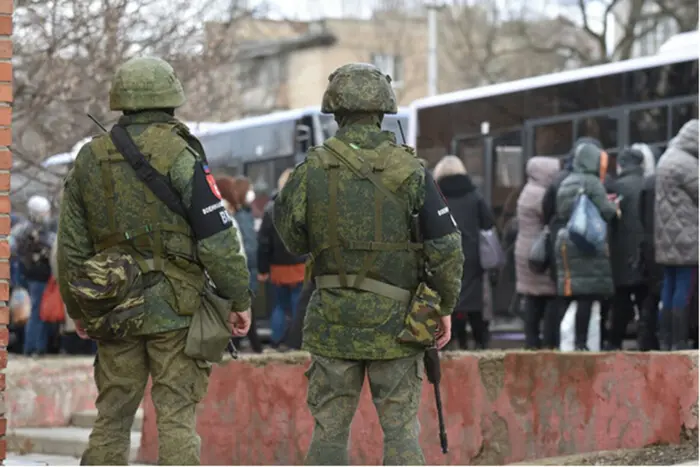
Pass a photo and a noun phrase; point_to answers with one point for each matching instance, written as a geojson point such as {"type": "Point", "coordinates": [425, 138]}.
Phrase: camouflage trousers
{"type": "Point", "coordinates": [333, 396]}
{"type": "Point", "coordinates": [179, 383]}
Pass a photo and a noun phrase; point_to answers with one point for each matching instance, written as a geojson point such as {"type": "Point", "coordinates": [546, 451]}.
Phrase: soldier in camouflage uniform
{"type": "Point", "coordinates": [366, 267]}
{"type": "Point", "coordinates": [132, 270]}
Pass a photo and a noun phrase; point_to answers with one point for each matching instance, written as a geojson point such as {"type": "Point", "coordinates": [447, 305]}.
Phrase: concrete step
{"type": "Point", "coordinates": [86, 419]}
{"type": "Point", "coordinates": [58, 441]}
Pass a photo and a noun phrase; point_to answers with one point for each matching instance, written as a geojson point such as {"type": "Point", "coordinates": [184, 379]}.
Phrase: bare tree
{"type": "Point", "coordinates": [610, 30]}
{"type": "Point", "coordinates": [66, 53]}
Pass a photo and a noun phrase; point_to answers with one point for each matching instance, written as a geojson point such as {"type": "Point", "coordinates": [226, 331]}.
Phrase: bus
{"type": "Point", "coordinates": [261, 147]}
{"type": "Point", "coordinates": [495, 129]}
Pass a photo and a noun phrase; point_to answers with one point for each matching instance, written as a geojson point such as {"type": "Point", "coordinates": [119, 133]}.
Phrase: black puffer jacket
{"type": "Point", "coordinates": [652, 272]}
{"type": "Point", "coordinates": [627, 233]}
{"type": "Point", "coordinates": [271, 249]}
{"type": "Point", "coordinates": [472, 215]}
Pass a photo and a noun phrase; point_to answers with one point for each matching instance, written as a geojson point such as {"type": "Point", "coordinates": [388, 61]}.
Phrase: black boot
{"type": "Point", "coordinates": [665, 329]}
{"type": "Point", "coordinates": [679, 329]}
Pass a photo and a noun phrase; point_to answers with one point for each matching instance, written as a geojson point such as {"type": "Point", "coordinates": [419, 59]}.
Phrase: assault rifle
{"type": "Point", "coordinates": [431, 357]}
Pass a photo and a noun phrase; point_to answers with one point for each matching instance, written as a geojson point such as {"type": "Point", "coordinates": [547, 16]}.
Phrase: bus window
{"type": "Point", "coordinates": [508, 175]}
{"type": "Point", "coordinates": [554, 139]}
{"type": "Point", "coordinates": [602, 128]}
{"type": "Point", "coordinates": [681, 114]}
{"type": "Point", "coordinates": [648, 125]}
{"type": "Point", "coordinates": [261, 176]}
{"type": "Point", "coordinates": [472, 154]}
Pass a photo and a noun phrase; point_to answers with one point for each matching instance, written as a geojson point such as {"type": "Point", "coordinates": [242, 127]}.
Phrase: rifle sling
{"type": "Point", "coordinates": [154, 180]}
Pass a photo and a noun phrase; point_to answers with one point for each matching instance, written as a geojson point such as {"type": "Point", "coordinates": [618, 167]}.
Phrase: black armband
{"type": "Point", "coordinates": [436, 221]}
{"type": "Point", "coordinates": [207, 215]}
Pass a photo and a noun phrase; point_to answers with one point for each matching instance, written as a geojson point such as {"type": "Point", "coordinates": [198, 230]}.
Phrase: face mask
{"type": "Point", "coordinates": [250, 197]}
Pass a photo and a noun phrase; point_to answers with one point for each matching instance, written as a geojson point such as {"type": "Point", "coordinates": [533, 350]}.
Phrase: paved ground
{"type": "Point", "coordinates": [42, 459]}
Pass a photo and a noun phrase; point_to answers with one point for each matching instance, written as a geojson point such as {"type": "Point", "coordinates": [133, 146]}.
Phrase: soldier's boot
{"type": "Point", "coordinates": [679, 329]}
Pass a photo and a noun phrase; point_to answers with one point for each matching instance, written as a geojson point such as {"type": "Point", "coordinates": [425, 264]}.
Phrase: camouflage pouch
{"type": "Point", "coordinates": [109, 290]}
{"type": "Point", "coordinates": [209, 332]}
{"type": "Point", "coordinates": [422, 317]}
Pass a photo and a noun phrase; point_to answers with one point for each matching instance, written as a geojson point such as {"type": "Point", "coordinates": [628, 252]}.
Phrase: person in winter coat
{"type": "Point", "coordinates": [651, 271]}
{"type": "Point", "coordinates": [32, 242]}
{"type": "Point", "coordinates": [284, 270]}
{"type": "Point", "coordinates": [237, 196]}
{"type": "Point", "coordinates": [538, 290]}
{"type": "Point", "coordinates": [676, 229]}
{"type": "Point", "coordinates": [471, 214]}
{"type": "Point", "coordinates": [549, 200]}
{"type": "Point", "coordinates": [626, 234]}
{"type": "Point", "coordinates": [583, 277]}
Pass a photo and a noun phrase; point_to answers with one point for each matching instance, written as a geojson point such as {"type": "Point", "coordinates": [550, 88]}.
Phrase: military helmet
{"type": "Point", "coordinates": [359, 87]}
{"type": "Point", "coordinates": [145, 83]}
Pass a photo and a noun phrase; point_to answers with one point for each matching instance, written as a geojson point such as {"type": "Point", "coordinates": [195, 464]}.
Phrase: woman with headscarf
{"type": "Point", "coordinates": [538, 290]}
{"type": "Point", "coordinates": [472, 215]}
{"type": "Point", "coordinates": [237, 196]}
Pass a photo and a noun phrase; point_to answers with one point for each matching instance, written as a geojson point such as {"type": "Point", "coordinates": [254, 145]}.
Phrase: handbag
{"type": "Point", "coordinates": [51, 309]}
{"type": "Point", "coordinates": [587, 229]}
{"type": "Point", "coordinates": [491, 253]}
{"type": "Point", "coordinates": [539, 258]}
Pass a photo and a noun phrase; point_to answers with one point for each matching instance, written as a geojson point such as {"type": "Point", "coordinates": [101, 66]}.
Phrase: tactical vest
{"type": "Point", "coordinates": [139, 223]}
{"type": "Point", "coordinates": [361, 238]}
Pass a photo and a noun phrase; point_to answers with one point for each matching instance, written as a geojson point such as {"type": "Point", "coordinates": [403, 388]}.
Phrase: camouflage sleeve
{"type": "Point", "coordinates": [289, 212]}
{"type": "Point", "coordinates": [442, 242]}
{"type": "Point", "coordinates": [74, 245]}
{"type": "Point", "coordinates": [220, 253]}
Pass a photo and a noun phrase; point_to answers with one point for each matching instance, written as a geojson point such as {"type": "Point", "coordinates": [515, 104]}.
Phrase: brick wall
{"type": "Point", "coordinates": [6, 7]}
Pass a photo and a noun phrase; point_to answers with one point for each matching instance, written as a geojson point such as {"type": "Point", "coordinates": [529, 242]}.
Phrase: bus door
{"type": "Point", "coordinates": [495, 163]}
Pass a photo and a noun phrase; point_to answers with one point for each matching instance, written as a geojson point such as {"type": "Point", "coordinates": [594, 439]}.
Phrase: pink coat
{"type": "Point", "coordinates": [540, 173]}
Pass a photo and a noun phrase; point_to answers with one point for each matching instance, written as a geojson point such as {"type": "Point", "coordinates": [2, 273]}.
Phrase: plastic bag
{"type": "Point", "coordinates": [20, 306]}
{"type": "Point", "coordinates": [586, 227]}
{"type": "Point", "coordinates": [567, 329]}
{"type": "Point", "coordinates": [538, 258]}
{"type": "Point", "coordinates": [491, 253]}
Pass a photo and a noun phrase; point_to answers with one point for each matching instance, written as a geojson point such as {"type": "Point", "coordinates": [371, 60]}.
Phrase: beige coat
{"type": "Point", "coordinates": [540, 173]}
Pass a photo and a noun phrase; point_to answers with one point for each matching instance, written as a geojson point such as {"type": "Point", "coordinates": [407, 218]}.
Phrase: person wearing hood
{"type": "Point", "coordinates": [538, 290]}
{"type": "Point", "coordinates": [284, 270]}
{"type": "Point", "coordinates": [471, 214]}
{"type": "Point", "coordinates": [583, 277]}
{"type": "Point", "coordinates": [32, 245]}
{"type": "Point", "coordinates": [549, 200]}
{"type": "Point", "coordinates": [626, 234]}
{"type": "Point", "coordinates": [676, 230]}
{"type": "Point", "coordinates": [237, 196]}
{"type": "Point", "coordinates": [651, 271]}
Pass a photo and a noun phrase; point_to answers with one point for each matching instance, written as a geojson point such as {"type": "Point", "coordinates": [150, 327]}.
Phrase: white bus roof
{"type": "Point", "coordinates": [200, 129]}
{"type": "Point", "coordinates": [274, 117]}
{"type": "Point", "coordinates": [685, 40]}
{"type": "Point", "coordinates": [554, 79]}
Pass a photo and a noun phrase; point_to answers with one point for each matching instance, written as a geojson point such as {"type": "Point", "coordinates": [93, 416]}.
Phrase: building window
{"type": "Point", "coordinates": [391, 65]}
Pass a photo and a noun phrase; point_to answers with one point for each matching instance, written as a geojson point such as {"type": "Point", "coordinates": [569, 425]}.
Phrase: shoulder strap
{"type": "Point", "coordinates": [358, 166]}
{"type": "Point", "coordinates": [154, 180]}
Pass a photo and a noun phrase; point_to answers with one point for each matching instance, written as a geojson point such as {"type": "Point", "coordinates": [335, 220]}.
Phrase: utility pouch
{"type": "Point", "coordinates": [422, 317]}
{"type": "Point", "coordinates": [209, 333]}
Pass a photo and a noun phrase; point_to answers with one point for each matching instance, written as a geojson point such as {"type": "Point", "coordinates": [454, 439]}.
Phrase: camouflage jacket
{"type": "Point", "coordinates": [346, 322]}
{"type": "Point", "coordinates": [85, 214]}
